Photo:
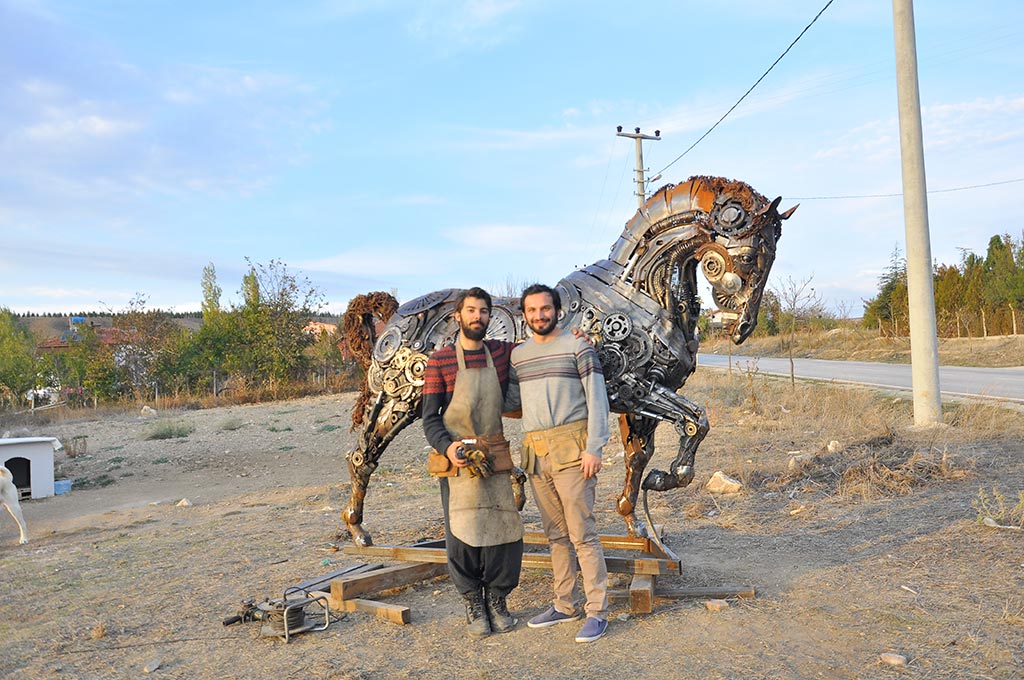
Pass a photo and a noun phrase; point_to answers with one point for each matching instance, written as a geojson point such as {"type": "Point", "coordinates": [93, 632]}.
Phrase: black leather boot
{"type": "Point", "coordinates": [501, 620]}
{"type": "Point", "coordinates": [476, 615]}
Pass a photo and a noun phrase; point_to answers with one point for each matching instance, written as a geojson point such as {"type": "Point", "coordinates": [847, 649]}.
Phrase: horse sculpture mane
{"type": "Point", "coordinates": [640, 306]}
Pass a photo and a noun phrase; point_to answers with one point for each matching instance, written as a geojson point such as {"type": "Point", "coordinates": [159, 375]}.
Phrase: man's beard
{"type": "Point", "coordinates": [544, 327]}
{"type": "Point", "coordinates": [475, 333]}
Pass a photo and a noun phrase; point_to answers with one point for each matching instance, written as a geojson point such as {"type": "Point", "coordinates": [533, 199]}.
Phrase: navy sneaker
{"type": "Point", "coordinates": [592, 630]}
{"type": "Point", "coordinates": [551, 617]}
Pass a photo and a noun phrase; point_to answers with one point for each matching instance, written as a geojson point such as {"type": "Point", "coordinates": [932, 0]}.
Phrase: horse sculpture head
{"type": "Point", "coordinates": [722, 226]}
{"type": "Point", "coordinates": [744, 228]}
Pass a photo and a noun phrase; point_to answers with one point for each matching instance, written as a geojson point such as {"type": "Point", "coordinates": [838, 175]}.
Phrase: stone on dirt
{"type": "Point", "coordinates": [716, 605]}
{"type": "Point", "coordinates": [151, 666]}
{"type": "Point", "coordinates": [184, 503]}
{"type": "Point", "coordinates": [798, 461]}
{"type": "Point", "coordinates": [723, 483]}
{"type": "Point", "coordinates": [893, 659]}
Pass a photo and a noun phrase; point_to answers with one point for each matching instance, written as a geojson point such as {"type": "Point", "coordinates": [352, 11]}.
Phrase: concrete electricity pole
{"type": "Point", "coordinates": [641, 181]}
{"type": "Point", "coordinates": [924, 345]}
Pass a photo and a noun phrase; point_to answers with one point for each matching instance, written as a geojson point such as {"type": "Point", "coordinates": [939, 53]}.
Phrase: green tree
{"type": "Point", "coordinates": [887, 311]}
{"type": "Point", "coordinates": [949, 293]}
{"type": "Point", "coordinates": [143, 337]}
{"type": "Point", "coordinates": [1000, 270]}
{"type": "Point", "coordinates": [17, 358]}
{"type": "Point", "coordinates": [769, 314]}
{"type": "Point", "coordinates": [211, 293]}
{"type": "Point", "coordinates": [326, 354]}
{"type": "Point", "coordinates": [268, 347]}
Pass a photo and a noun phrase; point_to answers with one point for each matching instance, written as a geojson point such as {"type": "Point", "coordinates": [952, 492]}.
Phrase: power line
{"type": "Point", "coordinates": [763, 75]}
{"type": "Point", "coordinates": [933, 191]}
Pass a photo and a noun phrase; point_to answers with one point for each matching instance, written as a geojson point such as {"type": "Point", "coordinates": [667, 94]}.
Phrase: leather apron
{"type": "Point", "coordinates": [481, 512]}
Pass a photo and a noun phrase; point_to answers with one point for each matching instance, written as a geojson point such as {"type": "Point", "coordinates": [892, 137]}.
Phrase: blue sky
{"type": "Point", "coordinates": [415, 145]}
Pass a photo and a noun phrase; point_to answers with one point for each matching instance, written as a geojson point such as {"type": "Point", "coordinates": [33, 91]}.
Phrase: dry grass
{"type": "Point", "coordinates": [761, 423]}
{"type": "Point", "coordinates": [996, 506]}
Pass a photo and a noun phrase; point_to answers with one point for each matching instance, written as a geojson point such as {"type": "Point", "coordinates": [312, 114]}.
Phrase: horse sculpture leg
{"type": "Point", "coordinates": [638, 442]}
{"type": "Point", "coordinates": [691, 422]}
{"type": "Point", "coordinates": [692, 425]}
{"type": "Point", "coordinates": [382, 425]}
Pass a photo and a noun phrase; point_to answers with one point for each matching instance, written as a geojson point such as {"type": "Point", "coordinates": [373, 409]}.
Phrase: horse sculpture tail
{"type": "Point", "coordinates": [359, 333]}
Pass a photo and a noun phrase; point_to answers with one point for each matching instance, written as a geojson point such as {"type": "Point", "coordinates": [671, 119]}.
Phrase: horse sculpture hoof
{"type": "Point", "coordinates": [658, 480]}
{"type": "Point", "coordinates": [360, 536]}
{"type": "Point", "coordinates": [635, 528]}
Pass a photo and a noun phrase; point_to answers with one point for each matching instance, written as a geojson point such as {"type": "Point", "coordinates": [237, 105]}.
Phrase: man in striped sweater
{"type": "Point", "coordinates": [565, 418]}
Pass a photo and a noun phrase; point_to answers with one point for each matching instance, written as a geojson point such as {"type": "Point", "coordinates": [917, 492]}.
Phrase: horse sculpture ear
{"type": "Point", "coordinates": [786, 215]}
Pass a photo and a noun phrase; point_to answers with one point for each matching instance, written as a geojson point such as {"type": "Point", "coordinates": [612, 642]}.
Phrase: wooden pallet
{"type": "Point", "coordinates": [651, 561]}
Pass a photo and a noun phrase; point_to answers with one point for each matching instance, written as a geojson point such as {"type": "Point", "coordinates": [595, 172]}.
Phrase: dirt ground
{"type": "Point", "coordinates": [118, 576]}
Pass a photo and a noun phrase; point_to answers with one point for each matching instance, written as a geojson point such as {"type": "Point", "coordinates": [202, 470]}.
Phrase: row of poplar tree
{"type": "Point", "coordinates": [978, 297]}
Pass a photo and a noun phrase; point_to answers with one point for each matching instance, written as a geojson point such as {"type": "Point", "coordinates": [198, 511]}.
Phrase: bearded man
{"type": "Point", "coordinates": [465, 386]}
{"type": "Point", "coordinates": [565, 420]}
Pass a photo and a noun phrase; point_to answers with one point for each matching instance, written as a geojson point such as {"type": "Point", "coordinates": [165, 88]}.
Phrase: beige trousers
{"type": "Point", "coordinates": [566, 503]}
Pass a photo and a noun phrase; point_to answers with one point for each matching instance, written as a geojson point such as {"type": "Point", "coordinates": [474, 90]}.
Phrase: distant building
{"type": "Point", "coordinates": [106, 336]}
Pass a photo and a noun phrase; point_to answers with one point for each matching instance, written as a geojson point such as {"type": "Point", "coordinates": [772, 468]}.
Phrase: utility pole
{"type": "Point", "coordinates": [924, 344]}
{"type": "Point", "coordinates": [641, 181]}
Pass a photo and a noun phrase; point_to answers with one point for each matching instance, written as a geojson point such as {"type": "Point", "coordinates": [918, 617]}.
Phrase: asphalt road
{"type": "Point", "coordinates": [998, 383]}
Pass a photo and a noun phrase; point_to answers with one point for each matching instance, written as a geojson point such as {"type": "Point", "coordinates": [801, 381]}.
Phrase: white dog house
{"type": "Point", "coordinates": [30, 460]}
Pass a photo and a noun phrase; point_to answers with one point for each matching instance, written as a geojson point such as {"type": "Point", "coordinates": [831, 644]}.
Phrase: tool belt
{"type": "Point", "coordinates": [565, 444]}
{"type": "Point", "coordinates": [494, 449]}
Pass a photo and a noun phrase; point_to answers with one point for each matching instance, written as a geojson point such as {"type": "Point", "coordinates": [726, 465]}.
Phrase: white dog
{"type": "Point", "coordinates": [9, 497]}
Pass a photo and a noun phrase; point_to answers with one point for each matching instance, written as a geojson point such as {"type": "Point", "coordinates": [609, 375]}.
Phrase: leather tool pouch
{"type": "Point", "coordinates": [439, 465]}
{"type": "Point", "coordinates": [498, 453]}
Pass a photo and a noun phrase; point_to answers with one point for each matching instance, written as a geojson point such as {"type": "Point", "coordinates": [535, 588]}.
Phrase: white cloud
{"type": "Point", "coordinates": [68, 129]}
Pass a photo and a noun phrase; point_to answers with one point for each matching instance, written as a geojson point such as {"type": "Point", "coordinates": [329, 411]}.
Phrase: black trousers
{"type": "Point", "coordinates": [495, 567]}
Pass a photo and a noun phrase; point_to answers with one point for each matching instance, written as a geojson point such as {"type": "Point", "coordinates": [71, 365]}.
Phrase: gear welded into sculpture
{"type": "Point", "coordinates": [640, 306]}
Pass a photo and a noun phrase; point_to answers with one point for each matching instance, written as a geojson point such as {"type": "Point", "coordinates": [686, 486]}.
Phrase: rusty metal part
{"type": "Point", "coordinates": [640, 306]}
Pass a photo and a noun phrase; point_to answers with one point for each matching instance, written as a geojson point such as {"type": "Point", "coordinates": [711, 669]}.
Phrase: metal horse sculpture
{"type": "Point", "coordinates": [640, 306]}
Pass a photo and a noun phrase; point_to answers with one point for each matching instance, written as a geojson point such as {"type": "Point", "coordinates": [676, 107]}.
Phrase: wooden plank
{"type": "Point", "coordinates": [641, 594]}
{"type": "Point", "coordinates": [323, 583]}
{"type": "Point", "coordinates": [403, 553]}
{"type": "Point", "coordinates": [617, 565]}
{"type": "Point", "coordinates": [349, 587]}
{"type": "Point", "coordinates": [395, 613]}
{"type": "Point", "coordinates": [607, 542]}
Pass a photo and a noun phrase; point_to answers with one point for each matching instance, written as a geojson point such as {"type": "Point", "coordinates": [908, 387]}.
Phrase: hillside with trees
{"type": "Point", "coordinates": [259, 348]}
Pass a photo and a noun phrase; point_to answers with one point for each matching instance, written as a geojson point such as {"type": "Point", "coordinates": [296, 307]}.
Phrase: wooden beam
{"type": "Point", "coordinates": [403, 553]}
{"type": "Point", "coordinates": [641, 594]}
{"type": "Point", "coordinates": [607, 542]}
{"type": "Point", "coordinates": [619, 565]}
{"type": "Point", "coordinates": [323, 583]}
{"type": "Point", "coordinates": [349, 587]}
{"type": "Point", "coordinates": [395, 613]}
